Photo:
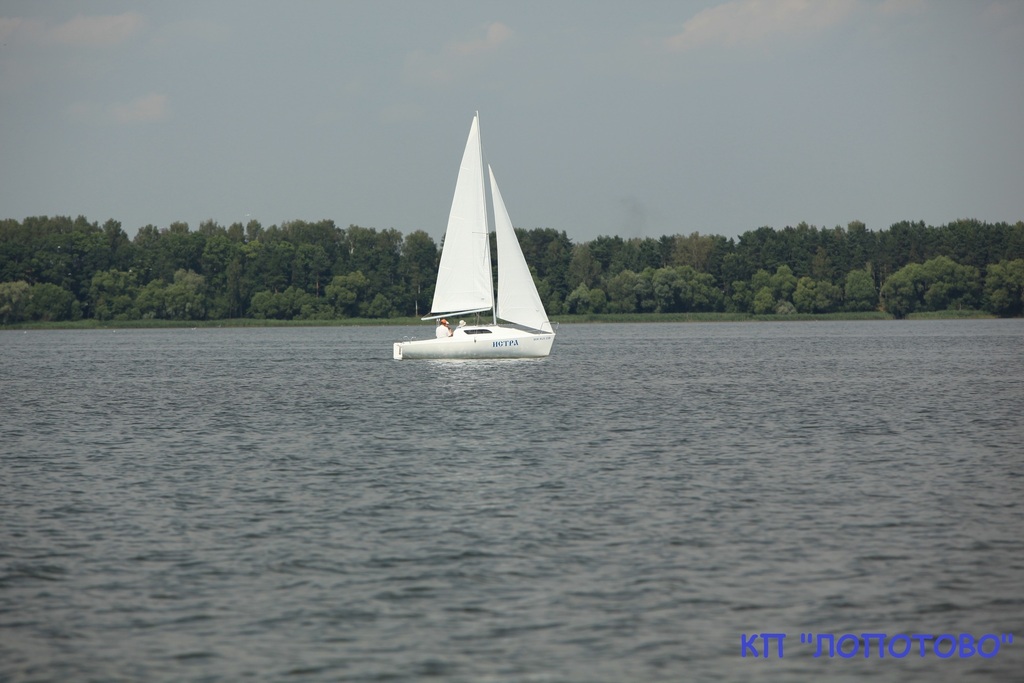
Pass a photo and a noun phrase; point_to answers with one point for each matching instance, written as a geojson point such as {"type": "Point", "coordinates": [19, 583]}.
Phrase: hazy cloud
{"type": "Point", "coordinates": [193, 29]}
{"type": "Point", "coordinates": [901, 6]}
{"type": "Point", "coordinates": [146, 109]}
{"type": "Point", "coordinates": [745, 22]}
{"type": "Point", "coordinates": [630, 138]}
{"type": "Point", "coordinates": [15, 28]}
{"type": "Point", "coordinates": [495, 36]}
{"type": "Point", "coordinates": [102, 31]}
{"type": "Point", "coordinates": [634, 216]}
{"type": "Point", "coordinates": [1006, 22]}
{"type": "Point", "coordinates": [453, 60]}
{"type": "Point", "coordinates": [8, 25]}
{"type": "Point", "coordinates": [397, 113]}
{"type": "Point", "coordinates": [82, 31]}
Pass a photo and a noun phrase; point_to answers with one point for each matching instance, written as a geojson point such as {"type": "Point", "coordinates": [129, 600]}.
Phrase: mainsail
{"type": "Point", "coordinates": [464, 283]}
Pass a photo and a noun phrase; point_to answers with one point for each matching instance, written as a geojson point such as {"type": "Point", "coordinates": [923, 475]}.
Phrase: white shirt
{"type": "Point", "coordinates": [442, 331]}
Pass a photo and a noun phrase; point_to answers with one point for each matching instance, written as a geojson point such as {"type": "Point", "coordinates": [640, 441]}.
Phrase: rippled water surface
{"type": "Point", "coordinates": [292, 504]}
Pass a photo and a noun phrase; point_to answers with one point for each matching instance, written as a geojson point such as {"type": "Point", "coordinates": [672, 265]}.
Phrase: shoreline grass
{"type": "Point", "coordinates": [610, 318]}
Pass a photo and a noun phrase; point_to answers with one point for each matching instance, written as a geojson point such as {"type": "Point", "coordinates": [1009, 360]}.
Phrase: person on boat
{"type": "Point", "coordinates": [442, 329]}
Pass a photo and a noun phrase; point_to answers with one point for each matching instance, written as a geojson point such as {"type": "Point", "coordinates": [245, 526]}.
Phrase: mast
{"type": "Point", "coordinates": [487, 222]}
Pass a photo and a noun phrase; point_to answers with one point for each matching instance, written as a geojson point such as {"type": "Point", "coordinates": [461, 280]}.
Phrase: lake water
{"type": "Point", "coordinates": [293, 504]}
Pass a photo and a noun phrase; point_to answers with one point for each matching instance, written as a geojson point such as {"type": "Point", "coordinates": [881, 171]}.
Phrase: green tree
{"type": "Point", "coordinates": [284, 305]}
{"type": "Point", "coordinates": [583, 267]}
{"type": "Point", "coordinates": [376, 255]}
{"type": "Point", "coordinates": [294, 300]}
{"type": "Point", "coordinates": [670, 273]}
{"type": "Point", "coordinates": [15, 250]}
{"type": "Point", "coordinates": [764, 302]}
{"type": "Point", "coordinates": [683, 289]}
{"type": "Point", "coordinates": [783, 283]}
{"type": "Point", "coordinates": [859, 291]}
{"type": "Point", "coordinates": [236, 286]}
{"type": "Point", "coordinates": [312, 264]}
{"type": "Point", "coordinates": [578, 300]}
{"type": "Point", "coordinates": [265, 305]}
{"type": "Point", "coordinates": [694, 251]}
{"type": "Point", "coordinates": [653, 253]}
{"type": "Point", "coordinates": [112, 295]}
{"type": "Point", "coordinates": [1004, 288]}
{"type": "Point", "coordinates": [180, 250]}
{"type": "Point", "coordinates": [218, 252]}
{"type": "Point", "coordinates": [418, 265]}
{"type": "Point", "coordinates": [13, 300]}
{"type": "Point", "coordinates": [210, 227]}
{"type": "Point", "coordinates": [347, 293]}
{"type": "Point", "coordinates": [821, 265]}
{"type": "Point", "coordinates": [950, 285]}
{"type": "Point", "coordinates": [861, 245]}
{"type": "Point", "coordinates": [805, 295]}
{"type": "Point", "coordinates": [146, 244]}
{"type": "Point", "coordinates": [273, 262]}
{"type": "Point", "coordinates": [625, 257]}
{"type": "Point", "coordinates": [598, 300]}
{"type": "Point", "coordinates": [697, 291]}
{"type": "Point", "coordinates": [120, 252]}
{"type": "Point", "coordinates": [48, 302]}
{"type": "Point", "coordinates": [621, 292]}
{"type": "Point", "coordinates": [741, 298]}
{"type": "Point", "coordinates": [785, 308]}
{"type": "Point", "coordinates": [185, 298]}
{"type": "Point", "coordinates": [761, 279]}
{"type": "Point", "coordinates": [815, 296]}
{"type": "Point", "coordinates": [61, 251]}
{"type": "Point", "coordinates": [606, 251]}
{"type": "Point", "coordinates": [902, 292]}
{"type": "Point", "coordinates": [380, 307]}
{"type": "Point", "coordinates": [646, 297]}
{"type": "Point", "coordinates": [253, 231]}
{"type": "Point", "coordinates": [236, 233]}
{"type": "Point", "coordinates": [549, 252]}
{"type": "Point", "coordinates": [937, 284]}
{"type": "Point", "coordinates": [665, 283]}
{"type": "Point", "coordinates": [151, 300]}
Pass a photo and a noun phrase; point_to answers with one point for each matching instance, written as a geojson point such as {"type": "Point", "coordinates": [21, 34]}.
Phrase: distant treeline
{"type": "Point", "coordinates": [60, 268]}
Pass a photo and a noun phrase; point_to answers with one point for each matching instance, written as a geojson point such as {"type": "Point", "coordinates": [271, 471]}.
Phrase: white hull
{"type": "Point", "coordinates": [491, 341]}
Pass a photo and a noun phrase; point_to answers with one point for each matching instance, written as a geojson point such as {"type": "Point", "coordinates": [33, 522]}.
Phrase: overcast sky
{"type": "Point", "coordinates": [631, 118]}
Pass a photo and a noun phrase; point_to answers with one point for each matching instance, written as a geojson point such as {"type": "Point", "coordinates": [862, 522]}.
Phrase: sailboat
{"type": "Point", "coordinates": [465, 280]}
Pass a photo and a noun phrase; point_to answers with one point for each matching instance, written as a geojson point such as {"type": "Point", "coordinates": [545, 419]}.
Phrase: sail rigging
{"type": "Point", "coordinates": [465, 278]}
